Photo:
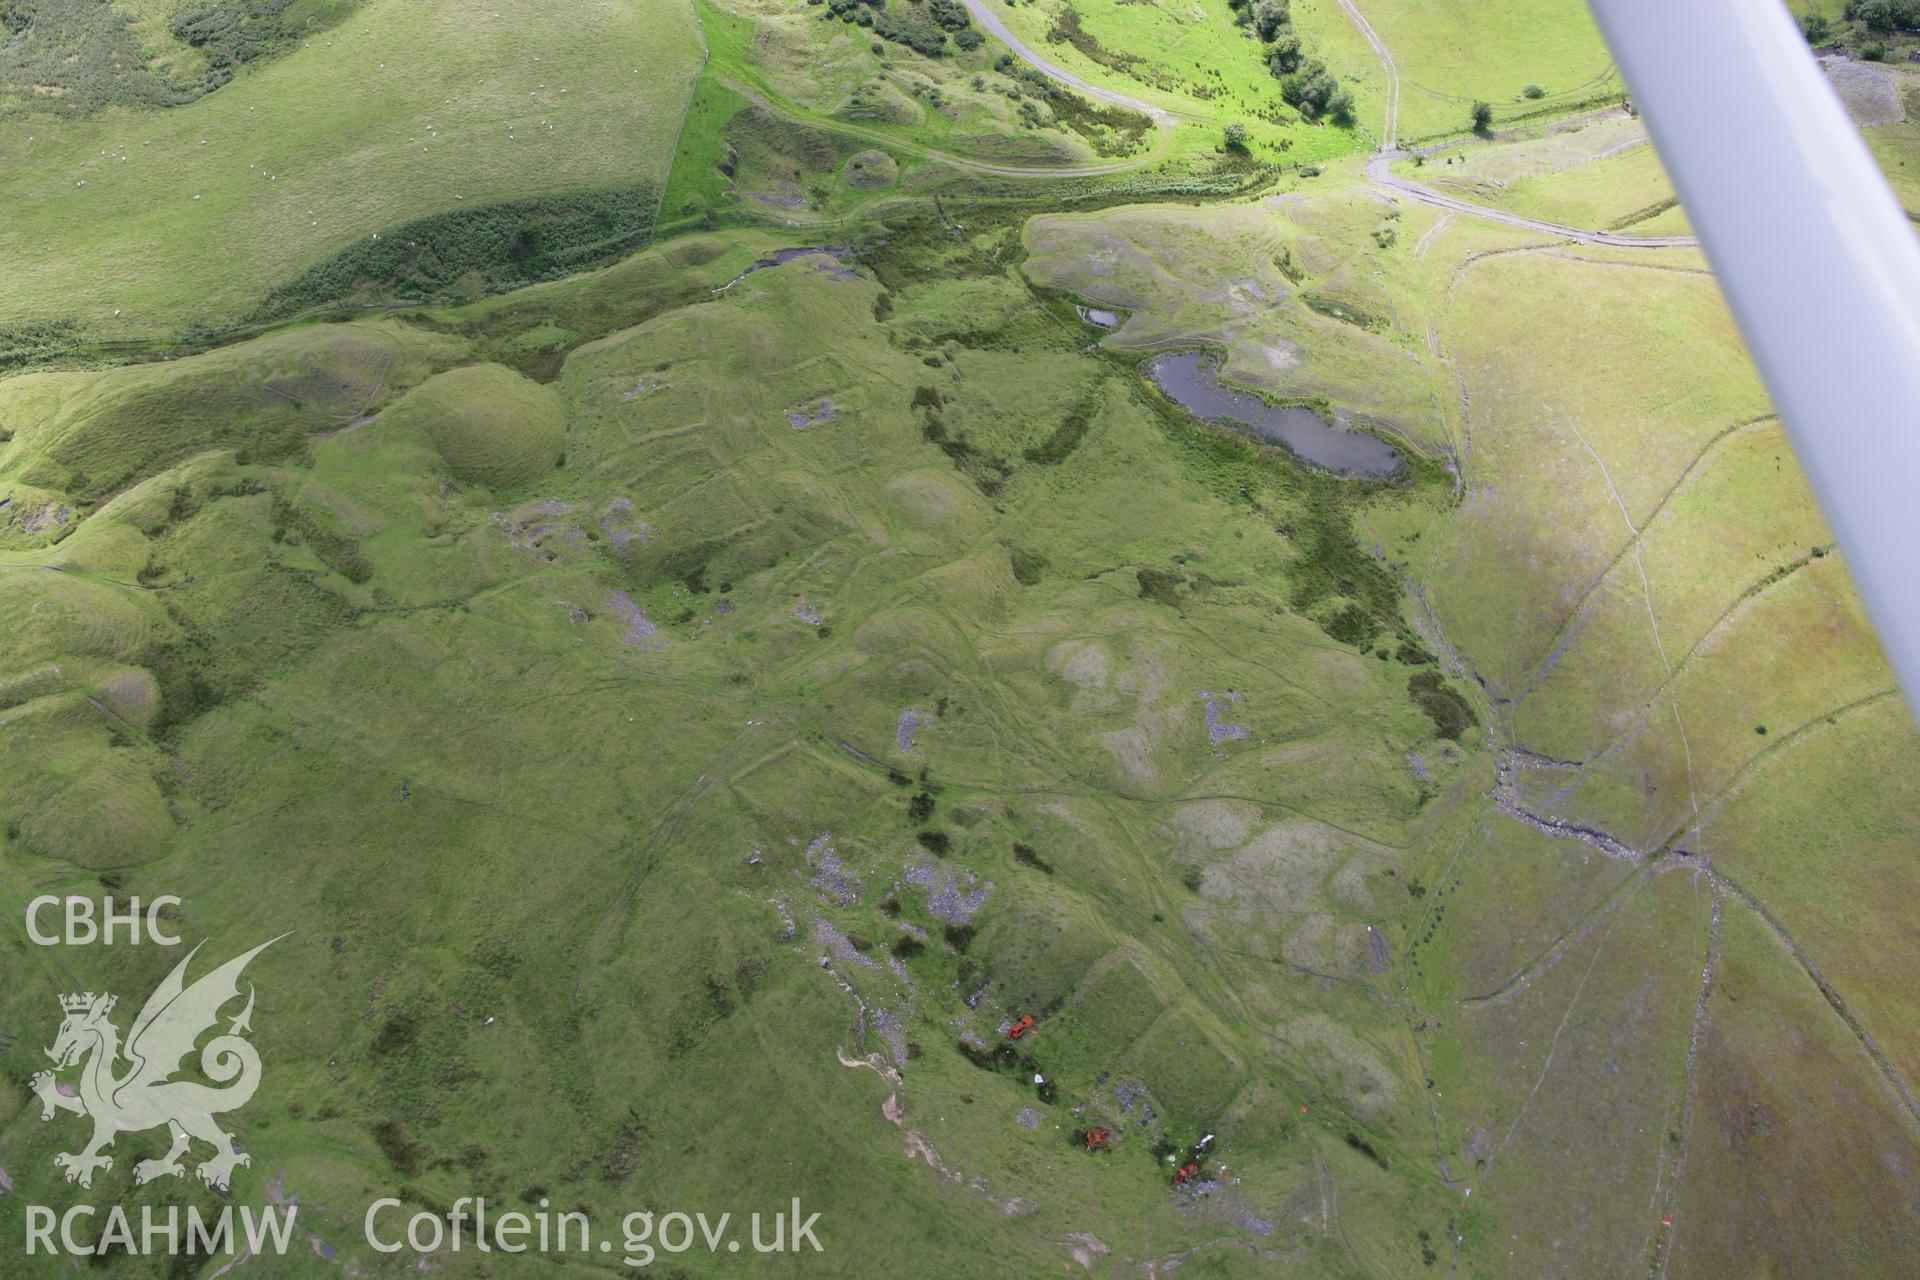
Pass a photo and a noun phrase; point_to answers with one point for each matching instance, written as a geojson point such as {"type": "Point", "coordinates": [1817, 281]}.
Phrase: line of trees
{"type": "Point", "coordinates": [1864, 25]}
{"type": "Point", "coordinates": [1305, 83]}
{"type": "Point", "coordinates": [1884, 17]}
{"type": "Point", "coordinates": [920, 25]}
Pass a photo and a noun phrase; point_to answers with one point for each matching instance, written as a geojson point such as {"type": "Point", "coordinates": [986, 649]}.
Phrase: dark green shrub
{"type": "Point", "coordinates": [504, 245]}
{"type": "Point", "coordinates": [1284, 58]}
{"type": "Point", "coordinates": [1027, 856]}
{"type": "Point", "coordinates": [1314, 93]}
{"type": "Point", "coordinates": [1028, 566]}
{"type": "Point", "coordinates": [1162, 586]}
{"type": "Point", "coordinates": [1450, 713]}
{"type": "Point", "coordinates": [1352, 625]}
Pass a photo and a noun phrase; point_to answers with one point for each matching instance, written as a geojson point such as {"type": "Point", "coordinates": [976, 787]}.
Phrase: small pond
{"type": "Point", "coordinates": [1192, 380]}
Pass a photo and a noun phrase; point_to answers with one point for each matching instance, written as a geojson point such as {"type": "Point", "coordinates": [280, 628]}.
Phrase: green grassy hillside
{"type": "Point", "coordinates": [129, 222]}
{"type": "Point", "coordinates": [73, 57]}
{"type": "Point", "coordinates": [688, 689]}
{"type": "Point", "coordinates": [891, 688]}
{"type": "Point", "coordinates": [1447, 56]}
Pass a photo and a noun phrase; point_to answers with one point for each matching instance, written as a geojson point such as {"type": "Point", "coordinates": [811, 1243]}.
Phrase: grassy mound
{"type": "Point", "coordinates": [491, 425]}
{"type": "Point", "coordinates": [871, 171]}
{"type": "Point", "coordinates": [73, 438]}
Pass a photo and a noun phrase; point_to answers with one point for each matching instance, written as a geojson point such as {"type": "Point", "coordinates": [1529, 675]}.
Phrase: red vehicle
{"type": "Point", "coordinates": [1098, 1139]}
{"type": "Point", "coordinates": [1020, 1028]}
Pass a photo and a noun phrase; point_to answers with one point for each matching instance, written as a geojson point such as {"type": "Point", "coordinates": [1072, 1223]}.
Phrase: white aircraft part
{"type": "Point", "coordinates": [1815, 257]}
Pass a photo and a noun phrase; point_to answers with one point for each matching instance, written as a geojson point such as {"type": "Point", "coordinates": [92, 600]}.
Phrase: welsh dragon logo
{"type": "Point", "coordinates": [144, 1095]}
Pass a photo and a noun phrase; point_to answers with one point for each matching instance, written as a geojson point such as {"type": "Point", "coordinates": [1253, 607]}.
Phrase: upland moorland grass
{"type": "Point", "coordinates": [134, 222]}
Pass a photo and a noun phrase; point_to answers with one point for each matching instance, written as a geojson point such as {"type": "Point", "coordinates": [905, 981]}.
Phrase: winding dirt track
{"type": "Point", "coordinates": [1390, 126]}
{"type": "Point", "coordinates": [991, 21]}
{"type": "Point", "coordinates": [1379, 176]}
{"type": "Point", "coordinates": [1377, 168]}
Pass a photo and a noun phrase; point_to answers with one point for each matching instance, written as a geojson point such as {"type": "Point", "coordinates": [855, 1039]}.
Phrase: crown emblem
{"type": "Point", "coordinates": [145, 1095]}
